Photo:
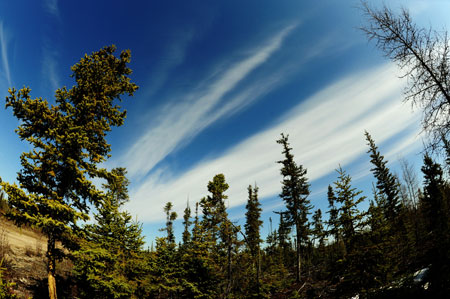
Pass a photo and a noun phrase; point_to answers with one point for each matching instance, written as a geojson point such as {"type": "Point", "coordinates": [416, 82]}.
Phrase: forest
{"type": "Point", "coordinates": [397, 248]}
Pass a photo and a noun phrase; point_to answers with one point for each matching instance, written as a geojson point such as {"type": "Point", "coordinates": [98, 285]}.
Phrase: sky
{"type": "Point", "coordinates": [219, 81]}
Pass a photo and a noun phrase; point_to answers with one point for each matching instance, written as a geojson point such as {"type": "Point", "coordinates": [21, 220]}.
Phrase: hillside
{"type": "Point", "coordinates": [23, 254]}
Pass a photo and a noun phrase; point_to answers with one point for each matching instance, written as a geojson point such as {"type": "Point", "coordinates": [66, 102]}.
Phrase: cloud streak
{"type": "Point", "coordinates": [325, 130]}
{"type": "Point", "coordinates": [50, 66]}
{"type": "Point", "coordinates": [175, 56]}
{"type": "Point", "coordinates": [4, 51]}
{"type": "Point", "coordinates": [52, 7]}
{"type": "Point", "coordinates": [177, 123]}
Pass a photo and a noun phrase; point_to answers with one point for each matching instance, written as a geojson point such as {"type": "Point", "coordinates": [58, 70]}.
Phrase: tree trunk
{"type": "Point", "coordinates": [51, 263]}
{"type": "Point", "coordinates": [51, 285]}
{"type": "Point", "coordinates": [258, 269]}
{"type": "Point", "coordinates": [229, 270]}
{"type": "Point", "coordinates": [298, 261]}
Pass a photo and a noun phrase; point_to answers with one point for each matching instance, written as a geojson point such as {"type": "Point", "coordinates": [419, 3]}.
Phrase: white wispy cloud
{"type": "Point", "coordinates": [175, 54]}
{"type": "Point", "coordinates": [50, 66]}
{"type": "Point", "coordinates": [325, 130]}
{"type": "Point", "coordinates": [181, 120]}
{"type": "Point", "coordinates": [4, 52]}
{"type": "Point", "coordinates": [52, 7]}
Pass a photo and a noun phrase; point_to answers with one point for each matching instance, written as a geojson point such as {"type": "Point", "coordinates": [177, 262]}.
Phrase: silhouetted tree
{"type": "Point", "coordinates": [387, 183]}
{"type": "Point", "coordinates": [423, 54]}
{"type": "Point", "coordinates": [252, 226]}
{"type": "Point", "coordinates": [435, 208]}
{"type": "Point", "coordinates": [294, 192]}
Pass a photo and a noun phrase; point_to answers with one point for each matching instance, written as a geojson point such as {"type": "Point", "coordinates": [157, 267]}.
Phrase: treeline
{"type": "Point", "coordinates": [398, 247]}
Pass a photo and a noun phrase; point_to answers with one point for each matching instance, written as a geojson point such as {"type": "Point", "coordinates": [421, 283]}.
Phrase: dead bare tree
{"type": "Point", "coordinates": [410, 182]}
{"type": "Point", "coordinates": [423, 55]}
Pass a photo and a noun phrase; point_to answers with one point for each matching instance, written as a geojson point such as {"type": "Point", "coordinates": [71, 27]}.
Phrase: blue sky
{"type": "Point", "coordinates": [219, 81]}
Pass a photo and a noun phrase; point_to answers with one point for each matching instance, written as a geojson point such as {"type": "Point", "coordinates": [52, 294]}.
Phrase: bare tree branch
{"type": "Point", "coordinates": [423, 55]}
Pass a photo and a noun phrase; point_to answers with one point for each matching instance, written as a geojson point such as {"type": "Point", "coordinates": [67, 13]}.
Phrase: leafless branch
{"type": "Point", "coordinates": [423, 55]}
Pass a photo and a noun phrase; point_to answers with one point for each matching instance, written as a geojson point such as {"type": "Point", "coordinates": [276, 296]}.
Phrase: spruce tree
{"type": "Point", "coordinates": [109, 263]}
{"type": "Point", "coordinates": [165, 264]}
{"type": "Point", "coordinates": [376, 221]}
{"type": "Point", "coordinates": [165, 271]}
{"type": "Point", "coordinates": [394, 236]}
{"type": "Point", "coordinates": [252, 227]}
{"type": "Point", "coordinates": [68, 143]}
{"type": "Point", "coordinates": [435, 206]}
{"type": "Point", "coordinates": [350, 224]}
{"type": "Point", "coordinates": [219, 230]}
{"type": "Point", "coordinates": [349, 198]}
{"type": "Point", "coordinates": [253, 220]}
{"type": "Point", "coordinates": [318, 230]}
{"type": "Point", "coordinates": [186, 223]}
{"type": "Point", "coordinates": [213, 206]}
{"type": "Point", "coordinates": [387, 183]}
{"type": "Point", "coordinates": [318, 259]}
{"type": "Point", "coordinates": [282, 234]}
{"type": "Point", "coordinates": [332, 223]}
{"type": "Point", "coordinates": [294, 192]}
{"type": "Point", "coordinates": [170, 218]}
{"type": "Point", "coordinates": [271, 240]}
{"type": "Point", "coordinates": [336, 248]}
{"type": "Point", "coordinates": [200, 266]}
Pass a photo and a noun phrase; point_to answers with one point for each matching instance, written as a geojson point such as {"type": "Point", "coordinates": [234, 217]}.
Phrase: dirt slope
{"type": "Point", "coordinates": [23, 254]}
{"type": "Point", "coordinates": [20, 239]}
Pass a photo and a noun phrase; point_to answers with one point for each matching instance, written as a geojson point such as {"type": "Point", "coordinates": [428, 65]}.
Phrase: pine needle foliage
{"type": "Point", "coordinates": [387, 183]}
{"type": "Point", "coordinates": [435, 204]}
{"type": "Point", "coordinates": [68, 141]}
{"type": "Point", "coordinates": [109, 263]}
{"type": "Point", "coordinates": [253, 220]}
{"type": "Point", "coordinates": [294, 192]}
{"type": "Point", "coordinates": [6, 287]}
{"type": "Point", "coordinates": [252, 226]}
{"type": "Point", "coordinates": [350, 218]}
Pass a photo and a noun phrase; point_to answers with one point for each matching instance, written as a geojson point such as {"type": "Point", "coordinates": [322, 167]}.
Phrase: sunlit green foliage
{"type": "Point", "coordinates": [6, 288]}
{"type": "Point", "coordinates": [294, 192]}
{"type": "Point", "coordinates": [109, 263]}
{"type": "Point", "coordinates": [68, 143]}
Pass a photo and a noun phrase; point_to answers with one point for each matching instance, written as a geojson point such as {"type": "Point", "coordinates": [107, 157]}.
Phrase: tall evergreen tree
{"type": "Point", "coordinates": [393, 227]}
{"type": "Point", "coordinates": [253, 220]}
{"type": "Point", "coordinates": [282, 234]}
{"type": "Point", "coordinates": [217, 225]}
{"type": "Point", "coordinates": [271, 240]}
{"type": "Point", "coordinates": [435, 206]}
{"type": "Point", "coordinates": [187, 223]}
{"type": "Point", "coordinates": [166, 280]}
{"type": "Point", "coordinates": [332, 223]}
{"type": "Point", "coordinates": [349, 215]}
{"type": "Point", "coordinates": [350, 224]}
{"type": "Point", "coordinates": [213, 205]}
{"type": "Point", "coordinates": [252, 227]}
{"type": "Point", "coordinates": [318, 230]}
{"type": "Point", "coordinates": [68, 143]}
{"type": "Point", "coordinates": [387, 183]}
{"type": "Point", "coordinates": [294, 192]}
{"type": "Point", "coordinates": [198, 263]}
{"type": "Point", "coordinates": [171, 216]}
{"type": "Point", "coordinates": [376, 220]}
